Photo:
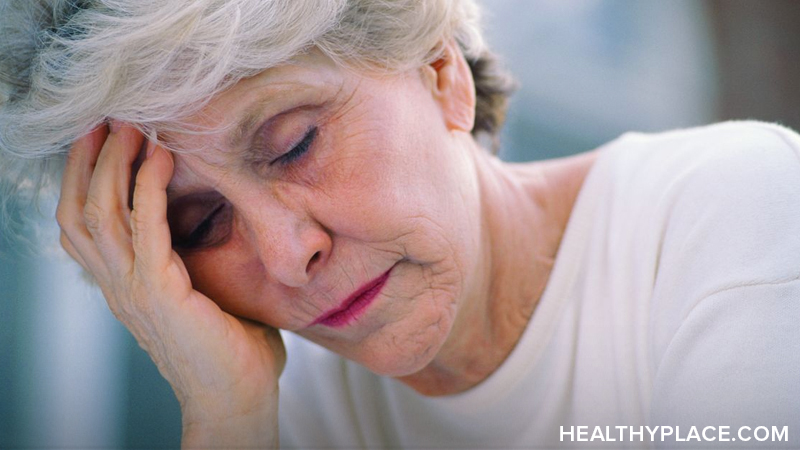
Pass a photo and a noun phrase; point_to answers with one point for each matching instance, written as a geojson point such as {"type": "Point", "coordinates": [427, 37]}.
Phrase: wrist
{"type": "Point", "coordinates": [209, 425]}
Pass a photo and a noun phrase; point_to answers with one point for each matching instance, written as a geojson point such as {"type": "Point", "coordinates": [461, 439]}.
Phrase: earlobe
{"type": "Point", "coordinates": [453, 88]}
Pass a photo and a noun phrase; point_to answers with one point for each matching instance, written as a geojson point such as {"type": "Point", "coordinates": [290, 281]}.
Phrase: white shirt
{"type": "Point", "coordinates": [674, 301]}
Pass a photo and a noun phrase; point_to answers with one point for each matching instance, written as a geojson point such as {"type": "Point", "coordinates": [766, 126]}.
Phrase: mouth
{"type": "Point", "coordinates": [355, 305]}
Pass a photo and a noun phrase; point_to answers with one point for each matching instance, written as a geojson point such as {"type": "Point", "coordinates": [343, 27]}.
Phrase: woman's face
{"type": "Point", "coordinates": [330, 190]}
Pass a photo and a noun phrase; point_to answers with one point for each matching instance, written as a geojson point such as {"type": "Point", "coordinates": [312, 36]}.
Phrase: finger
{"type": "Point", "coordinates": [71, 251]}
{"type": "Point", "coordinates": [90, 274]}
{"type": "Point", "coordinates": [149, 227]}
{"type": "Point", "coordinates": [77, 174]}
{"type": "Point", "coordinates": [106, 211]}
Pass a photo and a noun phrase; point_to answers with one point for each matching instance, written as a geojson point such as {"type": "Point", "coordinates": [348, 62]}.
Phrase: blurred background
{"type": "Point", "coordinates": [589, 70]}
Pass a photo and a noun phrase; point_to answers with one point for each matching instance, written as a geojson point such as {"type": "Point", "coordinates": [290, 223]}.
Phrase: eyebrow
{"type": "Point", "coordinates": [245, 127]}
{"type": "Point", "coordinates": [239, 132]}
{"type": "Point", "coordinates": [255, 113]}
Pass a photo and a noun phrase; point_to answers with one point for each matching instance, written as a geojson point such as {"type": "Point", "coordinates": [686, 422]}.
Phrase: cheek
{"type": "Point", "coordinates": [233, 277]}
{"type": "Point", "coordinates": [404, 188]}
{"type": "Point", "coordinates": [376, 181]}
{"type": "Point", "coordinates": [420, 202]}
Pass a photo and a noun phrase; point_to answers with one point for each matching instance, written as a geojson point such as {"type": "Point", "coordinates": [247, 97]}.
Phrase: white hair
{"type": "Point", "coordinates": [66, 66]}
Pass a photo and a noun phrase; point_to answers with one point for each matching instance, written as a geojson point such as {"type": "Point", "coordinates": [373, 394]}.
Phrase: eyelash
{"type": "Point", "coordinates": [298, 150]}
{"type": "Point", "coordinates": [199, 237]}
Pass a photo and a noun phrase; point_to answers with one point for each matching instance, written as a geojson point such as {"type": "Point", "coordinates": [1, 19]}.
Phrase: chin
{"type": "Point", "coordinates": [407, 349]}
{"type": "Point", "coordinates": [401, 358]}
{"type": "Point", "coordinates": [396, 366]}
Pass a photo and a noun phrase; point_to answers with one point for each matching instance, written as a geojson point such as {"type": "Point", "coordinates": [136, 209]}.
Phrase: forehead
{"type": "Point", "coordinates": [230, 119]}
{"type": "Point", "coordinates": [226, 120]}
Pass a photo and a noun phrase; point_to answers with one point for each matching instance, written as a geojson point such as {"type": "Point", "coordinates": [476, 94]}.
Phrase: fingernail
{"type": "Point", "coordinates": [151, 147]}
{"type": "Point", "coordinates": [114, 125]}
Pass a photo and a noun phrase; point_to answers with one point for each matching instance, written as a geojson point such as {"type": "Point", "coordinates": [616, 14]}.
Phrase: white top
{"type": "Point", "coordinates": [674, 301]}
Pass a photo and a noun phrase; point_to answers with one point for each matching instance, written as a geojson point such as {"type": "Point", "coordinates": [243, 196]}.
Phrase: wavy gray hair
{"type": "Point", "coordinates": [67, 66]}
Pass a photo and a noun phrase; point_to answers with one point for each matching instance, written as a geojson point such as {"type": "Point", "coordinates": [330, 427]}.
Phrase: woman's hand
{"type": "Point", "coordinates": [224, 370]}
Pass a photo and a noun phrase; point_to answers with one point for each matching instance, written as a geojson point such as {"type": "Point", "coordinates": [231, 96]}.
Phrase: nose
{"type": "Point", "coordinates": [291, 246]}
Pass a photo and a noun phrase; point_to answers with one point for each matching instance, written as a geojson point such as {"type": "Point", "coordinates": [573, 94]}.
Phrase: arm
{"type": "Point", "coordinates": [727, 297]}
{"type": "Point", "coordinates": [735, 362]}
{"type": "Point", "coordinates": [223, 370]}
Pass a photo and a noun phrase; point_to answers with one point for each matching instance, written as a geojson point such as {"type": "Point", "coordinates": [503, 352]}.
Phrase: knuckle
{"type": "Point", "coordinates": [94, 215]}
{"type": "Point", "coordinates": [68, 222]}
{"type": "Point", "coordinates": [139, 184]}
{"type": "Point", "coordinates": [138, 223]}
{"type": "Point", "coordinates": [139, 190]}
{"type": "Point", "coordinates": [140, 228]}
{"type": "Point", "coordinates": [117, 303]}
{"type": "Point", "coordinates": [65, 243]}
{"type": "Point", "coordinates": [125, 310]}
{"type": "Point", "coordinates": [114, 307]}
{"type": "Point", "coordinates": [63, 217]}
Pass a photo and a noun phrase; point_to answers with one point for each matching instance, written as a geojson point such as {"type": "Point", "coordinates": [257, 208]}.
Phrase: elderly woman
{"type": "Point", "coordinates": [238, 167]}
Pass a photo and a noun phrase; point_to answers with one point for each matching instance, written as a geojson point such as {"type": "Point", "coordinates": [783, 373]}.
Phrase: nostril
{"type": "Point", "coordinates": [314, 258]}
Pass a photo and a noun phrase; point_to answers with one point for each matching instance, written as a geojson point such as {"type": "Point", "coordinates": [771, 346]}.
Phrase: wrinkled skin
{"type": "Point", "coordinates": [319, 181]}
{"type": "Point", "coordinates": [380, 188]}
{"type": "Point", "coordinates": [383, 186]}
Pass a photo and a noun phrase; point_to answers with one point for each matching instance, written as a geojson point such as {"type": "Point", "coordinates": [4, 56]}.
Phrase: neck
{"type": "Point", "coordinates": [524, 209]}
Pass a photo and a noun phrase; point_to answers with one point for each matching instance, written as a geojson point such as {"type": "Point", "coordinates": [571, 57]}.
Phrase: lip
{"type": "Point", "coordinates": [355, 305]}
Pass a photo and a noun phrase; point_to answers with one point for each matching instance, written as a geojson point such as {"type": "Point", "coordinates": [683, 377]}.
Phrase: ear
{"type": "Point", "coordinates": [450, 80]}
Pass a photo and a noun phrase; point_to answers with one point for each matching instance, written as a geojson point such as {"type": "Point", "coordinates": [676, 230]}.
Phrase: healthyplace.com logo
{"type": "Point", "coordinates": [661, 433]}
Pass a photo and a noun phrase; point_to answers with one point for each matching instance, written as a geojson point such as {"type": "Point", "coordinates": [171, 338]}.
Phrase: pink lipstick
{"type": "Point", "coordinates": [355, 305]}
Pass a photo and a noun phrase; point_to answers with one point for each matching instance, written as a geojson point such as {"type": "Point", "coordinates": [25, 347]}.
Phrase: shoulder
{"type": "Point", "coordinates": [711, 217]}
{"type": "Point", "coordinates": [727, 205]}
{"type": "Point", "coordinates": [727, 278]}
{"type": "Point", "coordinates": [727, 152]}
{"type": "Point", "coordinates": [719, 200]}
{"type": "Point", "coordinates": [720, 207]}
{"type": "Point", "coordinates": [662, 186]}
{"type": "Point", "coordinates": [701, 209]}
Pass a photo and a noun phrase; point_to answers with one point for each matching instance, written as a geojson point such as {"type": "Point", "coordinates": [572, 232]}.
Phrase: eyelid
{"type": "Point", "coordinates": [205, 220]}
{"type": "Point", "coordinates": [189, 213]}
{"type": "Point", "coordinates": [298, 149]}
{"type": "Point", "coordinates": [270, 139]}
{"type": "Point", "coordinates": [216, 233]}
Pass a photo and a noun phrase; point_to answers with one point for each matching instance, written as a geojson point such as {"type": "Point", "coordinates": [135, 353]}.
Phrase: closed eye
{"type": "Point", "coordinates": [298, 150]}
{"type": "Point", "coordinates": [213, 228]}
